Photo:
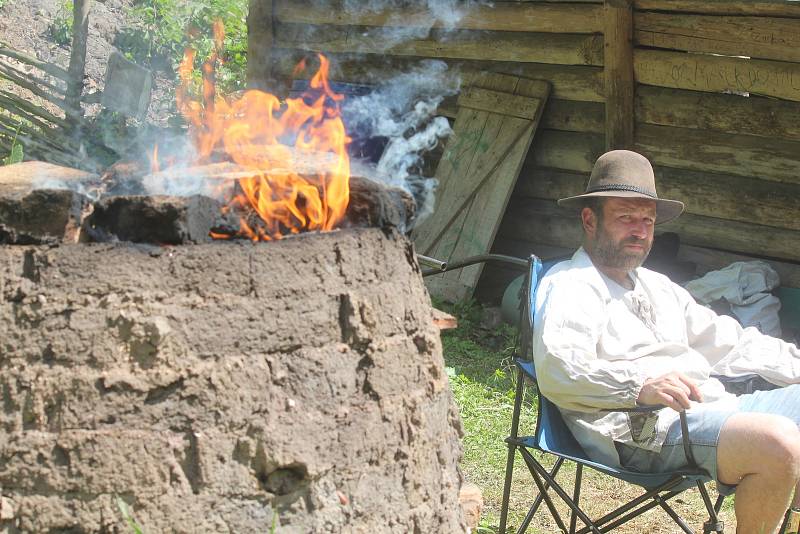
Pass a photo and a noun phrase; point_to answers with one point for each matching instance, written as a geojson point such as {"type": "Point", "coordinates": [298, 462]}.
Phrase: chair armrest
{"type": "Point", "coordinates": [636, 409]}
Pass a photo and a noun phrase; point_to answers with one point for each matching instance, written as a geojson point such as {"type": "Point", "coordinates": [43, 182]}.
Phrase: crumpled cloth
{"type": "Point", "coordinates": [745, 286]}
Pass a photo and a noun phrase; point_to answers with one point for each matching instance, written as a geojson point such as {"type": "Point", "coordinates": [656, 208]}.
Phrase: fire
{"type": "Point", "coordinates": [294, 152]}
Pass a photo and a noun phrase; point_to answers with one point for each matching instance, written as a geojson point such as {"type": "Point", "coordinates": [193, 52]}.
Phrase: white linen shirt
{"type": "Point", "coordinates": [596, 342]}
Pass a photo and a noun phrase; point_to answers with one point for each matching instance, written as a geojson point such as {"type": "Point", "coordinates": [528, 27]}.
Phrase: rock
{"type": "Point", "coordinates": [471, 500]}
{"type": "Point", "coordinates": [41, 203]}
{"type": "Point", "coordinates": [160, 220]}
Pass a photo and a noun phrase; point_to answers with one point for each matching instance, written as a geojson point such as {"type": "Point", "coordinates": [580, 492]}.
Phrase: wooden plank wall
{"type": "Point", "coordinates": [716, 106]}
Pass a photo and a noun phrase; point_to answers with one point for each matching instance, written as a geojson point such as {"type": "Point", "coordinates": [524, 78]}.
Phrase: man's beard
{"type": "Point", "coordinates": [615, 256]}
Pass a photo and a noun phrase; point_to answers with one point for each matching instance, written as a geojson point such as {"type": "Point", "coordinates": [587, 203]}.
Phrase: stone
{"type": "Point", "coordinates": [160, 220]}
{"type": "Point", "coordinates": [42, 203]}
{"type": "Point", "coordinates": [471, 500]}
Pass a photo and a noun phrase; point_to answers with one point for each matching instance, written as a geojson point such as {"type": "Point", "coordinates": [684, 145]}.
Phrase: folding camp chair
{"type": "Point", "coordinates": [552, 436]}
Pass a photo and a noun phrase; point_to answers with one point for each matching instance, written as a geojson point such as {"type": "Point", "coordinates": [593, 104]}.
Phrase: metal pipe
{"type": "Point", "coordinates": [438, 265]}
{"type": "Point", "coordinates": [472, 260]}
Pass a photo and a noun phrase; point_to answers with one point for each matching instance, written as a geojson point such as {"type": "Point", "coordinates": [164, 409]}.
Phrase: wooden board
{"type": "Point", "coordinates": [544, 221]}
{"type": "Point", "coordinates": [502, 16]}
{"type": "Point", "coordinates": [476, 176]}
{"type": "Point", "coordinates": [568, 82]}
{"type": "Point", "coordinates": [716, 74]}
{"type": "Point", "coordinates": [574, 116]}
{"type": "Point", "coordinates": [747, 200]}
{"type": "Point", "coordinates": [618, 63]}
{"type": "Point", "coordinates": [725, 7]}
{"type": "Point", "coordinates": [769, 159]}
{"type": "Point", "coordinates": [755, 37]}
{"type": "Point", "coordinates": [564, 49]}
{"type": "Point", "coordinates": [734, 114]}
{"type": "Point", "coordinates": [572, 151]}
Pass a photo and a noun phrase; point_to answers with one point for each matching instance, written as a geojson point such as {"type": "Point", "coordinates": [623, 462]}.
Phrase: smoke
{"type": "Point", "coordinates": [402, 110]}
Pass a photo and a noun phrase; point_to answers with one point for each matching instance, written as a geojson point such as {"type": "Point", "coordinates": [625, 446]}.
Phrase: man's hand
{"type": "Point", "coordinates": [672, 389]}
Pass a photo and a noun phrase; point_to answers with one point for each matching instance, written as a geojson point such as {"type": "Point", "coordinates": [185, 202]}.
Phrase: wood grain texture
{"type": "Point", "coordinates": [734, 114]}
{"type": "Point", "coordinates": [476, 174]}
{"type": "Point", "coordinates": [563, 49]}
{"type": "Point", "coordinates": [569, 82]}
{"type": "Point", "coordinates": [717, 74]}
{"type": "Point", "coordinates": [701, 150]}
{"type": "Point", "coordinates": [724, 7]}
{"type": "Point", "coordinates": [619, 80]}
{"type": "Point", "coordinates": [501, 16]}
{"type": "Point", "coordinates": [755, 37]}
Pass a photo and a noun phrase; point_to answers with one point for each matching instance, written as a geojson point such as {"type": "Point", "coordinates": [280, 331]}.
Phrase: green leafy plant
{"type": "Point", "coordinates": [61, 27]}
{"type": "Point", "coordinates": [162, 29]}
{"type": "Point", "coordinates": [17, 153]}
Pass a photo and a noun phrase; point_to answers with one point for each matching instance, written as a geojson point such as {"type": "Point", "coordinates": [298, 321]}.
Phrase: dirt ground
{"type": "Point", "coordinates": [24, 26]}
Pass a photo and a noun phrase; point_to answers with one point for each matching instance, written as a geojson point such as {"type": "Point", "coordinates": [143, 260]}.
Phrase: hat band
{"type": "Point", "coordinates": [621, 187]}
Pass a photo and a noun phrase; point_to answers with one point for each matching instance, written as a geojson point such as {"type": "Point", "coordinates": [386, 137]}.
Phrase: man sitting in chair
{"type": "Point", "coordinates": [611, 334]}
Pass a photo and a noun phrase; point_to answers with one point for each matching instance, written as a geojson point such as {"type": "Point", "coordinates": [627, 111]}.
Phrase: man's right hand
{"type": "Point", "coordinates": [672, 389]}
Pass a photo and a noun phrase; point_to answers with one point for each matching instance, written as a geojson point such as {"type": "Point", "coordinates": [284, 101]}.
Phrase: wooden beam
{"type": "Point", "coordinates": [724, 7]}
{"type": "Point", "coordinates": [77, 56]}
{"type": "Point", "coordinates": [562, 49]}
{"type": "Point", "coordinates": [747, 200]}
{"type": "Point", "coordinates": [571, 151]}
{"type": "Point", "coordinates": [570, 82]}
{"type": "Point", "coordinates": [500, 16]}
{"type": "Point", "coordinates": [701, 150]}
{"type": "Point", "coordinates": [756, 37]}
{"type": "Point", "coordinates": [573, 116]}
{"type": "Point", "coordinates": [618, 64]}
{"type": "Point", "coordinates": [717, 74]}
{"type": "Point", "coordinates": [734, 114]}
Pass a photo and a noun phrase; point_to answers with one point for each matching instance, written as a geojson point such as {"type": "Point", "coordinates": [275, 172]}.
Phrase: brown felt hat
{"type": "Point", "coordinates": [622, 173]}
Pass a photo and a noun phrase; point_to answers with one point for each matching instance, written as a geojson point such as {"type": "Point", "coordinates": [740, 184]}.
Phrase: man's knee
{"type": "Point", "coordinates": [752, 443]}
{"type": "Point", "coordinates": [784, 441]}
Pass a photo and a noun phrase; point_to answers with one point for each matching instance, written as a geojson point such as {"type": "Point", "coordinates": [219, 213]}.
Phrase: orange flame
{"type": "Point", "coordinates": [294, 152]}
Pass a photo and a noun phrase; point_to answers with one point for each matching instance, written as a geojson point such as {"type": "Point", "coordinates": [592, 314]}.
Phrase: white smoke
{"type": "Point", "coordinates": [402, 109]}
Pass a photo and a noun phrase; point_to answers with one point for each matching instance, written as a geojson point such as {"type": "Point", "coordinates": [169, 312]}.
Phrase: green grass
{"type": "Point", "coordinates": [479, 365]}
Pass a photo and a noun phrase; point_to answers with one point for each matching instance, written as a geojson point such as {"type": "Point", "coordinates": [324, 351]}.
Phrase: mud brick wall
{"type": "Point", "coordinates": [224, 388]}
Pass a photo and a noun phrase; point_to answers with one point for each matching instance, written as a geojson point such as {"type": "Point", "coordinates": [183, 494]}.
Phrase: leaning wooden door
{"type": "Point", "coordinates": [497, 117]}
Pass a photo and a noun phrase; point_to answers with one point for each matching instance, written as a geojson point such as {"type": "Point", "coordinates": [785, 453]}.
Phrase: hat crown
{"type": "Point", "coordinates": [622, 170]}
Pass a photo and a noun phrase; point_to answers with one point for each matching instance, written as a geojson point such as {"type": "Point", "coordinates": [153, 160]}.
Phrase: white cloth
{"type": "Point", "coordinates": [745, 285]}
{"type": "Point", "coordinates": [595, 343]}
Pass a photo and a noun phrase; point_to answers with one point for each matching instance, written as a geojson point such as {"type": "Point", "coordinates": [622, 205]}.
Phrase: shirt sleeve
{"type": "Point", "coordinates": [735, 351]}
{"type": "Point", "coordinates": [568, 322]}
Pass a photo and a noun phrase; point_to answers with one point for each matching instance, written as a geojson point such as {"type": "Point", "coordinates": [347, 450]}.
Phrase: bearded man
{"type": "Point", "coordinates": [611, 334]}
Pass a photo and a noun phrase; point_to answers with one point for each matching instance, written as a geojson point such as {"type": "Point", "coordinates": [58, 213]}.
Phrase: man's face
{"type": "Point", "coordinates": [624, 233]}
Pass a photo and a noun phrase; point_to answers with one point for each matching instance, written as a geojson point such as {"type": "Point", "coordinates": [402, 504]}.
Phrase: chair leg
{"type": "Point", "coordinates": [512, 450]}
{"type": "Point", "coordinates": [787, 520]}
{"type": "Point", "coordinates": [576, 496]}
{"type": "Point", "coordinates": [713, 524]}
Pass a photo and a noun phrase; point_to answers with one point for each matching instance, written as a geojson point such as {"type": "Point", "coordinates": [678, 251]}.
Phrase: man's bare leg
{"type": "Point", "coordinates": [761, 454]}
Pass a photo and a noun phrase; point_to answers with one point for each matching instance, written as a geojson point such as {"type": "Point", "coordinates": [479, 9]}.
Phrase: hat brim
{"type": "Point", "coordinates": [666, 210]}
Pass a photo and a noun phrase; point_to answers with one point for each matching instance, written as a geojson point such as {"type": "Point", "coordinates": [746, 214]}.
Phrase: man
{"type": "Point", "coordinates": [611, 334]}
